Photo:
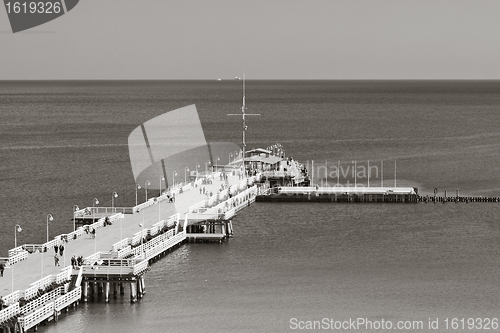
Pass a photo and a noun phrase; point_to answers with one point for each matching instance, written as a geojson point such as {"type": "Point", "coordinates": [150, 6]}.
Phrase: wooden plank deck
{"type": "Point", "coordinates": [38, 265]}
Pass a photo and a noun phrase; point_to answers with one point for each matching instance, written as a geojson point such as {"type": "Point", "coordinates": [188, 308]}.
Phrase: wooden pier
{"type": "Point", "coordinates": [118, 257]}
{"type": "Point", "coordinates": [361, 194]}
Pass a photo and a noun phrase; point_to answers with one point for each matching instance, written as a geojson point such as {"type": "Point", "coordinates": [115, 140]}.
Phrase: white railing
{"type": "Point", "coordinates": [13, 297]}
{"type": "Point", "coordinates": [125, 252]}
{"type": "Point", "coordinates": [138, 236]}
{"type": "Point", "coordinates": [64, 276]}
{"type": "Point", "coordinates": [93, 257]}
{"type": "Point", "coordinates": [40, 301]}
{"type": "Point", "coordinates": [140, 267]}
{"type": "Point", "coordinates": [37, 316]}
{"type": "Point", "coordinates": [9, 312]}
{"type": "Point", "coordinates": [121, 244]}
{"type": "Point", "coordinates": [78, 232]}
{"type": "Point", "coordinates": [68, 298]}
{"type": "Point", "coordinates": [109, 270]}
{"type": "Point", "coordinates": [164, 245]}
{"type": "Point", "coordinates": [137, 251]}
{"type": "Point", "coordinates": [18, 257]}
{"type": "Point", "coordinates": [14, 251]}
{"type": "Point", "coordinates": [195, 207]}
{"type": "Point", "coordinates": [79, 277]}
{"type": "Point", "coordinates": [229, 214]}
{"type": "Point", "coordinates": [32, 291]}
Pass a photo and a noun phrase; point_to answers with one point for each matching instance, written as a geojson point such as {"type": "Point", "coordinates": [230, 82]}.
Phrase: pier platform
{"type": "Point", "coordinates": [339, 194]}
{"type": "Point", "coordinates": [34, 289]}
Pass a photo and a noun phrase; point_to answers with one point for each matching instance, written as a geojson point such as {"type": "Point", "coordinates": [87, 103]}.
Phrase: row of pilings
{"type": "Point", "coordinates": [458, 199]}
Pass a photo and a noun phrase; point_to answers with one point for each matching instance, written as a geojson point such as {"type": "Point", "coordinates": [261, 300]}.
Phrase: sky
{"type": "Point", "coordinates": [270, 39]}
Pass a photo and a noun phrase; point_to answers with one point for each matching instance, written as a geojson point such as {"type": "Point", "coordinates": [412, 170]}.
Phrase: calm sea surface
{"type": "Point", "coordinates": [64, 143]}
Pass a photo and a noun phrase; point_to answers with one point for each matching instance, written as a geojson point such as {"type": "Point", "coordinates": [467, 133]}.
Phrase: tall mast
{"type": "Point", "coordinates": [244, 122]}
{"type": "Point", "coordinates": [243, 115]}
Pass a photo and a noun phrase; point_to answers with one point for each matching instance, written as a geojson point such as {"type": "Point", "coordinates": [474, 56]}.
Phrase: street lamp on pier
{"type": "Point", "coordinates": [173, 178]}
{"type": "Point", "coordinates": [142, 238]}
{"type": "Point", "coordinates": [17, 229]}
{"type": "Point", "coordinates": [49, 218]}
{"type": "Point", "coordinates": [197, 166]}
{"type": "Point", "coordinates": [75, 209]}
{"type": "Point", "coordinates": [137, 187]}
{"type": "Point", "coordinates": [94, 202]}
{"type": "Point", "coordinates": [113, 196]}
{"type": "Point", "coordinates": [207, 163]}
{"type": "Point", "coordinates": [159, 201]}
{"type": "Point", "coordinates": [216, 163]}
{"type": "Point", "coordinates": [186, 169]}
{"type": "Point", "coordinates": [146, 183]}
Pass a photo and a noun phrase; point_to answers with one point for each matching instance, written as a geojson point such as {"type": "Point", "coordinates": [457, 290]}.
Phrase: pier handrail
{"type": "Point", "coordinates": [68, 298]}
{"type": "Point", "coordinates": [18, 257]}
{"type": "Point", "coordinates": [9, 312]}
{"type": "Point", "coordinates": [162, 246]}
{"type": "Point", "coordinates": [16, 250]}
{"type": "Point", "coordinates": [37, 316]}
{"type": "Point", "coordinates": [121, 244]}
{"type": "Point", "coordinates": [39, 301]}
{"type": "Point", "coordinates": [12, 297]}
{"type": "Point", "coordinates": [141, 267]}
{"type": "Point", "coordinates": [125, 252]}
{"type": "Point", "coordinates": [63, 277]}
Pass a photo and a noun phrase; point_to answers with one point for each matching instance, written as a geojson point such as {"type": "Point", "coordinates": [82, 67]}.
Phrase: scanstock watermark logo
{"type": "Point", "coordinates": [171, 149]}
{"type": "Point", "coordinates": [27, 14]}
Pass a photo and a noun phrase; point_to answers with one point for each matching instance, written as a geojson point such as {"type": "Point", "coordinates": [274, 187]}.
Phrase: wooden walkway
{"type": "Point", "coordinates": [39, 265]}
{"type": "Point", "coordinates": [35, 290]}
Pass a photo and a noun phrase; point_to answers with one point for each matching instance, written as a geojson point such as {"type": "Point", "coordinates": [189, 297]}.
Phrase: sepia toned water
{"type": "Point", "coordinates": [64, 143]}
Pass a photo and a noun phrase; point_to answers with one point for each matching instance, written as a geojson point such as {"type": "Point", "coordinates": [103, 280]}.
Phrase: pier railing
{"type": "Point", "coordinates": [37, 316]}
{"type": "Point", "coordinates": [12, 297]}
{"type": "Point", "coordinates": [68, 298]}
{"type": "Point", "coordinates": [136, 239]}
{"type": "Point", "coordinates": [61, 278]}
{"type": "Point", "coordinates": [18, 257]}
{"type": "Point", "coordinates": [9, 312]}
{"type": "Point", "coordinates": [39, 301]}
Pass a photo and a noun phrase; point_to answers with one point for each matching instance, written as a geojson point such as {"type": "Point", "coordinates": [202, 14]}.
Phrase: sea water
{"type": "Point", "coordinates": [289, 265]}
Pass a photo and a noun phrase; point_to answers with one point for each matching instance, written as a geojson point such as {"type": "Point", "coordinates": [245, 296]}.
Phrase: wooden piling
{"type": "Point", "coordinates": [133, 291]}
{"type": "Point", "coordinates": [106, 291]}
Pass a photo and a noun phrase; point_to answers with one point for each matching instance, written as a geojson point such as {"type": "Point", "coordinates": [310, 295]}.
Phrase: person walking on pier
{"type": "Point", "coordinates": [61, 249]}
{"type": "Point", "coordinates": [56, 248]}
{"type": "Point", "coordinates": [56, 259]}
{"type": "Point", "coordinates": [2, 267]}
{"type": "Point", "coordinates": [73, 261]}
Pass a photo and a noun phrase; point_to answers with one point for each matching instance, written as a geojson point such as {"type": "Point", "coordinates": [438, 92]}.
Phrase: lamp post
{"type": "Point", "coordinates": [113, 196]}
{"type": "Point", "coordinates": [159, 202]}
{"type": "Point", "coordinates": [162, 178]}
{"type": "Point", "coordinates": [17, 229]}
{"type": "Point", "coordinates": [186, 169]}
{"type": "Point", "coordinates": [49, 218]}
{"type": "Point", "coordinates": [137, 187]}
{"type": "Point", "coordinates": [142, 237]}
{"type": "Point", "coordinates": [94, 202]}
{"type": "Point", "coordinates": [216, 163]}
{"type": "Point", "coordinates": [230, 155]}
{"type": "Point", "coordinates": [173, 178]}
{"type": "Point", "coordinates": [197, 166]}
{"type": "Point", "coordinates": [207, 163]}
{"type": "Point", "coordinates": [146, 183]}
{"type": "Point", "coordinates": [75, 209]}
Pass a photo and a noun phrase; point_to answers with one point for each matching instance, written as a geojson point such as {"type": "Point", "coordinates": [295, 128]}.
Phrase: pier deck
{"type": "Point", "coordinates": [39, 265]}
